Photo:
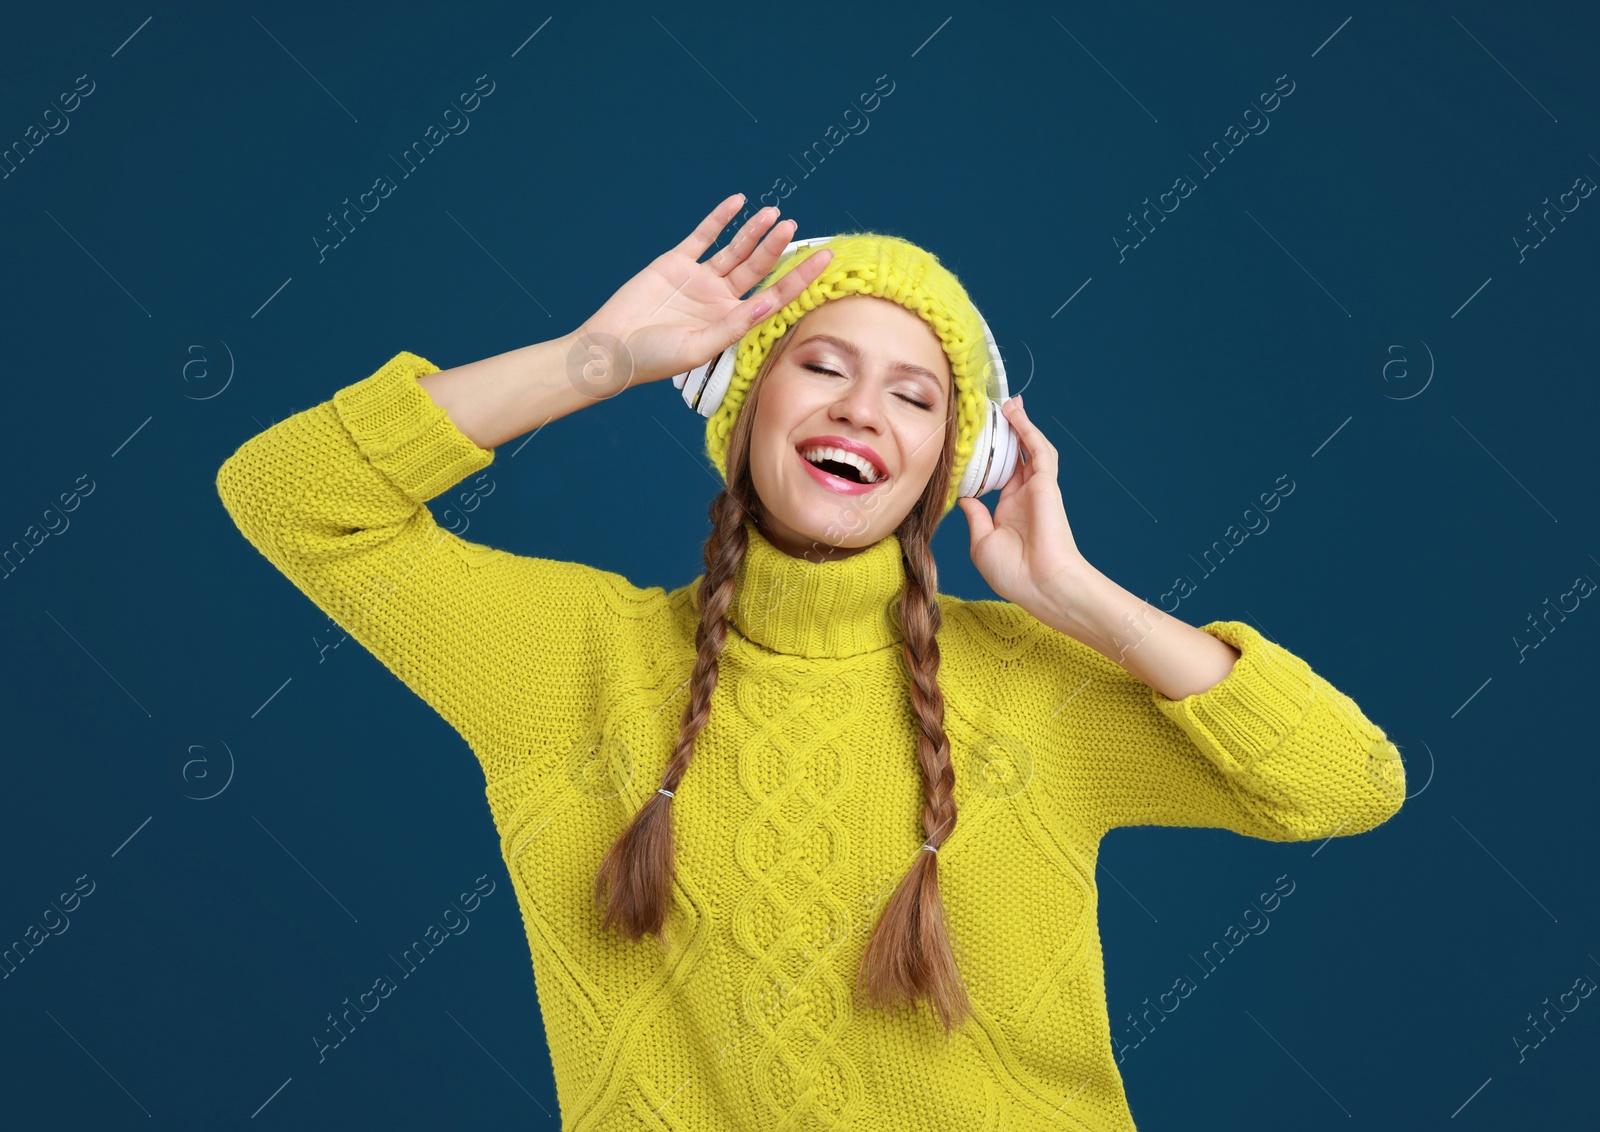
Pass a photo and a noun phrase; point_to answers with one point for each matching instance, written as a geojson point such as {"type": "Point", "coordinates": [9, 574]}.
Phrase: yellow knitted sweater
{"type": "Point", "coordinates": [802, 808]}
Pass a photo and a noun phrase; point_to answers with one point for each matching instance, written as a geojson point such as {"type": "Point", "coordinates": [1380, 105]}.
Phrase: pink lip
{"type": "Point", "coordinates": [833, 482]}
{"type": "Point", "coordinates": [855, 446]}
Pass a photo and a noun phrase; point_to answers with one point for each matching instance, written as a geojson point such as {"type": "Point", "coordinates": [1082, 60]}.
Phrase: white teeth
{"type": "Point", "coordinates": [869, 474]}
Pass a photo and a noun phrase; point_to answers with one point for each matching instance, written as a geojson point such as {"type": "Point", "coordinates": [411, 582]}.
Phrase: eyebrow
{"type": "Point", "coordinates": [855, 353]}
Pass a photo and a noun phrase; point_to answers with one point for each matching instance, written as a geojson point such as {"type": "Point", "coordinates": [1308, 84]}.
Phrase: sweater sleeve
{"type": "Point", "coordinates": [1273, 750]}
{"type": "Point", "coordinates": [334, 498]}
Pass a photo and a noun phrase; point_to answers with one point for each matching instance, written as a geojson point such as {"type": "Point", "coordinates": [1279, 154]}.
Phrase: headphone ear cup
{"type": "Point", "coordinates": [705, 385]}
{"type": "Point", "coordinates": [994, 455]}
{"type": "Point", "coordinates": [1008, 446]}
{"type": "Point", "coordinates": [721, 379]}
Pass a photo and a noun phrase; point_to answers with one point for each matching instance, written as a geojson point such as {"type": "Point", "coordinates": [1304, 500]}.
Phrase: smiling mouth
{"type": "Point", "coordinates": [839, 468]}
{"type": "Point", "coordinates": [841, 475]}
{"type": "Point", "coordinates": [842, 463]}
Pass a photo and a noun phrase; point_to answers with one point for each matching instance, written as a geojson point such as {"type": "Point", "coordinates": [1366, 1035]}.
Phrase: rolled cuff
{"type": "Point", "coordinates": [404, 433]}
{"type": "Point", "coordinates": [1252, 709]}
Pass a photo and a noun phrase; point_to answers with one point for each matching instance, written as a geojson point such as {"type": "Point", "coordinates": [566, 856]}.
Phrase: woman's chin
{"type": "Point", "coordinates": [803, 517]}
{"type": "Point", "coordinates": [824, 527]}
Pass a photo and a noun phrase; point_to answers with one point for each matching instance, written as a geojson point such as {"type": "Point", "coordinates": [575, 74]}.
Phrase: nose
{"type": "Point", "coordinates": [861, 404]}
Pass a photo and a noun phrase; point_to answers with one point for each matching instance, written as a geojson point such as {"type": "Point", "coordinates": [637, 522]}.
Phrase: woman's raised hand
{"type": "Point", "coordinates": [679, 313]}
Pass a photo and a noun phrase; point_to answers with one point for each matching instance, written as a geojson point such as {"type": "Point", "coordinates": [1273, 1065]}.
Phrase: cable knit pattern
{"type": "Point", "coordinates": [802, 808]}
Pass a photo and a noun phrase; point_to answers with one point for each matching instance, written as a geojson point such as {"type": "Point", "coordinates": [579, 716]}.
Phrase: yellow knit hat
{"type": "Point", "coordinates": [870, 263]}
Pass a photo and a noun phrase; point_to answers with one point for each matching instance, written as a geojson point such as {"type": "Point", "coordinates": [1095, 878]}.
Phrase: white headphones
{"type": "Point", "coordinates": [994, 457]}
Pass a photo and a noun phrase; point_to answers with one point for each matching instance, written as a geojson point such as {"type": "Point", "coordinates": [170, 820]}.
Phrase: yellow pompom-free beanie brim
{"type": "Point", "coordinates": [871, 263]}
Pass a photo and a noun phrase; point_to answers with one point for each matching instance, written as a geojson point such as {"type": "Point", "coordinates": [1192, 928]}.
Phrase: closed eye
{"type": "Point", "coordinates": [813, 367]}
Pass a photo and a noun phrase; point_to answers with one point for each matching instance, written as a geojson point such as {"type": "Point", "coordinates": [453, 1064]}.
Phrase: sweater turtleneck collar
{"type": "Point", "coordinates": [818, 609]}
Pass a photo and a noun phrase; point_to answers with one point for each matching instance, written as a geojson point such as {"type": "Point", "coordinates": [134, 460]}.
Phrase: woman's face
{"type": "Point", "coordinates": [864, 374]}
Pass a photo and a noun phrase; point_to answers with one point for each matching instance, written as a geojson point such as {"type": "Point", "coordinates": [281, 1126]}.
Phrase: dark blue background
{"type": "Point", "coordinates": [1178, 385]}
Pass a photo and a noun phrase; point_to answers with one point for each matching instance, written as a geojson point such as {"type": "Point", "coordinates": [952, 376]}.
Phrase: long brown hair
{"type": "Point", "coordinates": [909, 955]}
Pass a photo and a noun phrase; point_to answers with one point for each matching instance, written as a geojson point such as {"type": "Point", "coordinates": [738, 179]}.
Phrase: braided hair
{"type": "Point", "coordinates": [909, 955]}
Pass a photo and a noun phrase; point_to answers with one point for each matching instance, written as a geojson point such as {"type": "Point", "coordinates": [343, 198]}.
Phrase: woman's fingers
{"type": "Point", "coordinates": [783, 292]}
{"type": "Point", "coordinates": [1041, 453]}
{"type": "Point", "coordinates": [744, 242]}
{"type": "Point", "coordinates": [754, 266]}
{"type": "Point", "coordinates": [746, 260]}
{"type": "Point", "coordinates": [768, 299]}
{"type": "Point", "coordinates": [705, 233]}
{"type": "Point", "coordinates": [751, 254]}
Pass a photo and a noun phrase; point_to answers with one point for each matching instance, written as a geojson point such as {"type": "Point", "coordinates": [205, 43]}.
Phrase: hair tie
{"type": "Point", "coordinates": [664, 790]}
{"type": "Point", "coordinates": [931, 849]}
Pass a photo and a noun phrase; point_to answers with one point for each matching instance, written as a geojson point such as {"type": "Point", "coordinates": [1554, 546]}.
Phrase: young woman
{"type": "Point", "coordinates": [804, 843]}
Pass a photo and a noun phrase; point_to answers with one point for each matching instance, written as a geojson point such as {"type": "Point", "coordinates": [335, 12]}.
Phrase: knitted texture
{"type": "Point", "coordinates": [868, 263]}
{"type": "Point", "coordinates": [802, 808]}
